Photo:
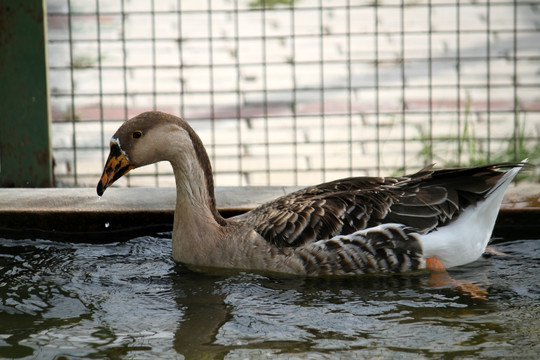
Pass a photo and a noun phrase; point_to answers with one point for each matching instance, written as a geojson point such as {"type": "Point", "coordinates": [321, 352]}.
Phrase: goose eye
{"type": "Point", "coordinates": [136, 134]}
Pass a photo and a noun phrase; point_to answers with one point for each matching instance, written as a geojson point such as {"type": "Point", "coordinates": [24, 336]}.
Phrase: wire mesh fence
{"type": "Point", "coordinates": [287, 92]}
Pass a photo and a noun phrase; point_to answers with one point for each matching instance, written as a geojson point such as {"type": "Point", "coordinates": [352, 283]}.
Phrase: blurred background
{"type": "Point", "coordinates": [287, 92]}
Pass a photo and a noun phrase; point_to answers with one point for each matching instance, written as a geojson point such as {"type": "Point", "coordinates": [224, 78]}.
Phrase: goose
{"type": "Point", "coordinates": [433, 219]}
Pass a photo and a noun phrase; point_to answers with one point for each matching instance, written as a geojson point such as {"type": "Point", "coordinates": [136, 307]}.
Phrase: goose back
{"type": "Point", "coordinates": [421, 202]}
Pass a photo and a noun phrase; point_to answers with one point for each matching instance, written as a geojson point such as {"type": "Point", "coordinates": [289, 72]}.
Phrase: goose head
{"type": "Point", "coordinates": [152, 137]}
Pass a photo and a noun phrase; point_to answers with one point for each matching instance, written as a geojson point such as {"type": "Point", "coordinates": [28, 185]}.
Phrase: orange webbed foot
{"type": "Point", "coordinates": [440, 277]}
{"type": "Point", "coordinates": [470, 289]}
{"type": "Point", "coordinates": [493, 251]}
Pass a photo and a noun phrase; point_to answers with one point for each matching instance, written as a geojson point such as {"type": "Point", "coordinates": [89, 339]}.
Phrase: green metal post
{"type": "Point", "coordinates": [25, 141]}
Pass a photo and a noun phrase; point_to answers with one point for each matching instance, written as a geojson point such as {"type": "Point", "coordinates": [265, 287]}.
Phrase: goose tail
{"type": "Point", "coordinates": [465, 239]}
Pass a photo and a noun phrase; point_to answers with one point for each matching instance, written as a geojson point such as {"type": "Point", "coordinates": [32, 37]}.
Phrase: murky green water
{"type": "Point", "coordinates": [129, 300]}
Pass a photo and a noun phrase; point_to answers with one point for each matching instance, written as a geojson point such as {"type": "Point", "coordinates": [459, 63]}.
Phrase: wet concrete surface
{"type": "Point", "coordinates": [79, 215]}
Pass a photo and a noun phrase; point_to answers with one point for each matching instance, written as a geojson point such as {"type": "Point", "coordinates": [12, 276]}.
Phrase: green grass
{"type": "Point", "coordinates": [471, 152]}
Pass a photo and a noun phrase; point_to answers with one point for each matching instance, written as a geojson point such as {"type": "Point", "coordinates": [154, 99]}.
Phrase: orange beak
{"type": "Point", "coordinates": [116, 166]}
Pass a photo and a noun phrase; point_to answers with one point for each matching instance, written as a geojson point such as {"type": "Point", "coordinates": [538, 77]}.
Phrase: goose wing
{"type": "Point", "coordinates": [321, 212]}
{"type": "Point", "coordinates": [421, 202]}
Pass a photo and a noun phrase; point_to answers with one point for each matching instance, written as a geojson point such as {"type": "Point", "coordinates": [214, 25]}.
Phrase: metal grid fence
{"type": "Point", "coordinates": [287, 92]}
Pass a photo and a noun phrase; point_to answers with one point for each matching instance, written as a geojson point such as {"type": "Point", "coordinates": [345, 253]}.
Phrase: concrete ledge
{"type": "Point", "coordinates": [79, 215]}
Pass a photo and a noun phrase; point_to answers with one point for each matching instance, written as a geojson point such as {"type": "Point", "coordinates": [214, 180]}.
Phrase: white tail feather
{"type": "Point", "coordinates": [465, 240]}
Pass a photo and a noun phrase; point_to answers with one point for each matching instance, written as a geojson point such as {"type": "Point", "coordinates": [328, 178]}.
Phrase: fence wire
{"type": "Point", "coordinates": [287, 92]}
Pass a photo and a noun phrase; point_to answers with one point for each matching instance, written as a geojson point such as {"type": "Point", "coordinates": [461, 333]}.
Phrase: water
{"type": "Point", "coordinates": [129, 300]}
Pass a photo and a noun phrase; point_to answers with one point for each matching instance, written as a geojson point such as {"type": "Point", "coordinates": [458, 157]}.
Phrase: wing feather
{"type": "Point", "coordinates": [420, 202]}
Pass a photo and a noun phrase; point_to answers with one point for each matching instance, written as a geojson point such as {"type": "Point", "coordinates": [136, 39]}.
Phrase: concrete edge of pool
{"type": "Point", "coordinates": [79, 215]}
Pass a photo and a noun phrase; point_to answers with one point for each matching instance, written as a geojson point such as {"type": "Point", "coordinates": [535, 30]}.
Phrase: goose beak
{"type": "Point", "coordinates": [116, 166]}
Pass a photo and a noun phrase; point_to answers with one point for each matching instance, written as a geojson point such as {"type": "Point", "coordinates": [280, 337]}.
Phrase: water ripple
{"type": "Point", "coordinates": [130, 299]}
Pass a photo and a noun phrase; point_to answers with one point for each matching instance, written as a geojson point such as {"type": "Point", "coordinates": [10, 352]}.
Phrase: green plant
{"type": "Point", "coordinates": [83, 62]}
{"type": "Point", "coordinates": [270, 4]}
{"type": "Point", "coordinates": [470, 153]}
